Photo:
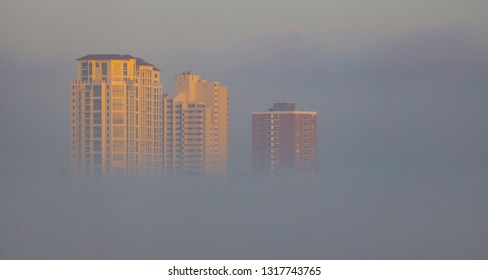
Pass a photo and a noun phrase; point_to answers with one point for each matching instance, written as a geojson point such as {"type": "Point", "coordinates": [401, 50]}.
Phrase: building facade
{"type": "Point", "coordinates": [196, 127]}
{"type": "Point", "coordinates": [284, 141]}
{"type": "Point", "coordinates": [116, 119]}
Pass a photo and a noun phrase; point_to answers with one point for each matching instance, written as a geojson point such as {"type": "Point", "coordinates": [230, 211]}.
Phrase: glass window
{"type": "Point", "coordinates": [97, 145]}
{"type": "Point", "coordinates": [97, 131]}
{"type": "Point", "coordinates": [84, 69]}
{"type": "Point", "coordinates": [97, 118]}
{"type": "Point", "coordinates": [97, 91]}
{"type": "Point", "coordinates": [118, 156]}
{"type": "Point", "coordinates": [118, 132]}
{"type": "Point", "coordinates": [104, 68]}
{"type": "Point", "coordinates": [118, 118]}
{"type": "Point", "coordinates": [97, 104]}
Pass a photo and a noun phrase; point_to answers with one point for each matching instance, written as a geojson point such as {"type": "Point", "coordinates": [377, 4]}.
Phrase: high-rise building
{"type": "Point", "coordinates": [284, 141]}
{"type": "Point", "coordinates": [195, 127]}
{"type": "Point", "coordinates": [116, 118]}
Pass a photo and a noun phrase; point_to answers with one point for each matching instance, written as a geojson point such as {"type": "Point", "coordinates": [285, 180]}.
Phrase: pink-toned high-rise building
{"type": "Point", "coordinates": [284, 141]}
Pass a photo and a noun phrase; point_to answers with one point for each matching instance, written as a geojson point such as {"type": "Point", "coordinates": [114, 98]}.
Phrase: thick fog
{"type": "Point", "coordinates": [402, 134]}
{"type": "Point", "coordinates": [197, 218]}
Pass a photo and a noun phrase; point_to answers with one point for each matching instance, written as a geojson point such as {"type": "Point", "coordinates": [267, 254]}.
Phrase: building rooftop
{"type": "Point", "coordinates": [106, 57]}
{"type": "Point", "coordinates": [139, 61]}
{"type": "Point", "coordinates": [285, 112]}
{"type": "Point", "coordinates": [283, 106]}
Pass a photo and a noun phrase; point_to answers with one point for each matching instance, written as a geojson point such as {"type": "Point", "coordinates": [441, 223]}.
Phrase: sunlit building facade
{"type": "Point", "coordinates": [284, 141]}
{"type": "Point", "coordinates": [116, 117]}
{"type": "Point", "coordinates": [195, 127]}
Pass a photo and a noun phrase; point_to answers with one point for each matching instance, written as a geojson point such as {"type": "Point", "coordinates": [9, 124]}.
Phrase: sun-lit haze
{"type": "Point", "coordinates": [401, 93]}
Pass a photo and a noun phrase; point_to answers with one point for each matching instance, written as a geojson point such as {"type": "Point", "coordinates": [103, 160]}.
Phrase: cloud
{"type": "Point", "coordinates": [69, 218]}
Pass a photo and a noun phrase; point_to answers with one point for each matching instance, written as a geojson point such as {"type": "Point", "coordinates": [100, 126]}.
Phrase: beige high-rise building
{"type": "Point", "coordinates": [195, 127]}
{"type": "Point", "coordinates": [116, 118]}
{"type": "Point", "coordinates": [284, 141]}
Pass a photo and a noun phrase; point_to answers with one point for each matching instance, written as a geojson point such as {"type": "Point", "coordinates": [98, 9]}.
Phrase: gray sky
{"type": "Point", "coordinates": [49, 29]}
{"type": "Point", "coordinates": [400, 88]}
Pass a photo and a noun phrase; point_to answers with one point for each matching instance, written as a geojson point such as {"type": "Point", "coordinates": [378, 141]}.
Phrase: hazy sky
{"type": "Point", "coordinates": [49, 29]}
{"type": "Point", "coordinates": [400, 88]}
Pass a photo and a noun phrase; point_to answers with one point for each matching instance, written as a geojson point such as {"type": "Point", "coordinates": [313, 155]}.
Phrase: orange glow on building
{"type": "Point", "coordinates": [122, 124]}
{"type": "Point", "coordinates": [196, 129]}
{"type": "Point", "coordinates": [116, 117]}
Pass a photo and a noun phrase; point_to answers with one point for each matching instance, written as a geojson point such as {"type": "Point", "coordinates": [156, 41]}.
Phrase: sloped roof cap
{"type": "Point", "coordinates": [139, 61]}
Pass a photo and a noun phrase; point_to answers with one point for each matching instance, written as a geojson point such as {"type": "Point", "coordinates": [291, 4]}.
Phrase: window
{"type": "Point", "coordinates": [97, 145]}
{"type": "Point", "coordinates": [118, 132]}
{"type": "Point", "coordinates": [125, 69]}
{"type": "Point", "coordinates": [118, 118]}
{"type": "Point", "coordinates": [97, 131]}
{"type": "Point", "coordinates": [118, 157]}
{"type": "Point", "coordinates": [118, 146]}
{"type": "Point", "coordinates": [97, 91]}
{"type": "Point", "coordinates": [97, 104]}
{"type": "Point", "coordinates": [97, 118]}
{"type": "Point", "coordinates": [118, 91]}
{"type": "Point", "coordinates": [84, 69]}
{"type": "Point", "coordinates": [104, 68]}
{"type": "Point", "coordinates": [118, 104]}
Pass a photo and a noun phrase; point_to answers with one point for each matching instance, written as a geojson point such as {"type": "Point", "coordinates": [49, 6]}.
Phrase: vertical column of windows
{"type": "Point", "coordinates": [84, 72]}
{"type": "Point", "coordinates": [97, 126]}
{"type": "Point", "coordinates": [87, 130]}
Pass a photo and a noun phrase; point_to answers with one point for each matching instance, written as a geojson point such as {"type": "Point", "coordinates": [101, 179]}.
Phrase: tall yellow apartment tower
{"type": "Point", "coordinates": [116, 118]}
{"type": "Point", "coordinates": [195, 126]}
